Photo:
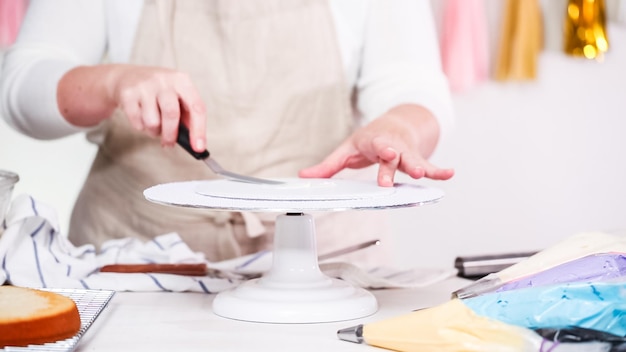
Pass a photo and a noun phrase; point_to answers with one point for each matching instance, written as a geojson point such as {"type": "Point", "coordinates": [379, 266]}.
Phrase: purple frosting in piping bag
{"type": "Point", "coordinates": [597, 267]}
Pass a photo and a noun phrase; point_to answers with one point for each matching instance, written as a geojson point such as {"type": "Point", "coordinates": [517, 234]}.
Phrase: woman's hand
{"type": "Point", "coordinates": [153, 99]}
{"type": "Point", "coordinates": [400, 140]}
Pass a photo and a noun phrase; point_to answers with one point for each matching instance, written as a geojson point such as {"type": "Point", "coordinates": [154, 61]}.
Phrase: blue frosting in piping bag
{"type": "Point", "coordinates": [598, 305]}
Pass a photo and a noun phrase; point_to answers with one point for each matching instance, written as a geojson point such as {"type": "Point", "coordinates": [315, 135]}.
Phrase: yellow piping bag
{"type": "Point", "coordinates": [448, 327]}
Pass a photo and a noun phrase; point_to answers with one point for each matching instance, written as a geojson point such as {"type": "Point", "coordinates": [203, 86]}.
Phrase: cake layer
{"type": "Point", "coordinates": [29, 316]}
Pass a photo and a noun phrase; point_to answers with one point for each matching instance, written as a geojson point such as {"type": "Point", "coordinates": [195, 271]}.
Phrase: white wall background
{"type": "Point", "coordinates": [535, 162]}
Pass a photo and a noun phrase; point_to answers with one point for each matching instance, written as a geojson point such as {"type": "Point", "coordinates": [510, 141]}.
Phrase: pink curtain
{"type": "Point", "coordinates": [464, 43]}
{"type": "Point", "coordinates": [11, 15]}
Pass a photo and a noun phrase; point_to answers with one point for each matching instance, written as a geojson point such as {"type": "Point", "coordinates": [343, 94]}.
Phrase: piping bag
{"type": "Point", "coordinates": [577, 285]}
{"type": "Point", "coordinates": [503, 321]}
{"type": "Point", "coordinates": [592, 268]}
{"type": "Point", "coordinates": [451, 326]}
{"type": "Point", "coordinates": [576, 247]}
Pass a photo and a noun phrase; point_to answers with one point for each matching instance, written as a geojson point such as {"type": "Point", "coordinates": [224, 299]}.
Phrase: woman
{"type": "Point", "coordinates": [273, 88]}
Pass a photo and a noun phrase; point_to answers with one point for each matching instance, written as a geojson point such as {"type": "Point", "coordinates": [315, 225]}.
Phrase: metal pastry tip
{"type": "Point", "coordinates": [351, 334]}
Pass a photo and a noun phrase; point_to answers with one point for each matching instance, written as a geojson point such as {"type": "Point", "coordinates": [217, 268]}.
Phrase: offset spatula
{"type": "Point", "coordinates": [183, 141]}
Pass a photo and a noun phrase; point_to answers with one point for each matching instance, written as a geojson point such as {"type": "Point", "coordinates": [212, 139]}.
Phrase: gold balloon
{"type": "Point", "coordinates": [521, 41]}
{"type": "Point", "coordinates": [585, 29]}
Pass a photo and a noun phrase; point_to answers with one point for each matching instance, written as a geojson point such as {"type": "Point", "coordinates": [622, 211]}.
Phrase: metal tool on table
{"type": "Point", "coordinates": [349, 249]}
{"type": "Point", "coordinates": [183, 141]}
{"type": "Point", "coordinates": [473, 267]}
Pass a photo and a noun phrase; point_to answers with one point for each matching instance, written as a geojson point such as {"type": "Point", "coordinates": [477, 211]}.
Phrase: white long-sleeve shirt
{"type": "Point", "coordinates": [388, 48]}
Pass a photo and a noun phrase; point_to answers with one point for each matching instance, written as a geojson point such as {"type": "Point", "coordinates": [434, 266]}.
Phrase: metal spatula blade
{"type": "Point", "coordinates": [218, 169]}
{"type": "Point", "coordinates": [183, 141]}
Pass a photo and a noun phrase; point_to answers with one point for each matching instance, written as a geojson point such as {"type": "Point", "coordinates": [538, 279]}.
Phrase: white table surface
{"type": "Point", "coordinates": [140, 321]}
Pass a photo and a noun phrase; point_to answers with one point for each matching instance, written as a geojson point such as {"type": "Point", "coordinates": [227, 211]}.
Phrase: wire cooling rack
{"type": "Point", "coordinates": [90, 304]}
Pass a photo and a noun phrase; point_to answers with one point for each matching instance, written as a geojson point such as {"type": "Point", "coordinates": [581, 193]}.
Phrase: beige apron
{"type": "Point", "coordinates": [270, 75]}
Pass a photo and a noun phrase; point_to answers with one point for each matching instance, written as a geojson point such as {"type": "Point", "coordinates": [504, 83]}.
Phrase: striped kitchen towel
{"type": "Point", "coordinates": [34, 253]}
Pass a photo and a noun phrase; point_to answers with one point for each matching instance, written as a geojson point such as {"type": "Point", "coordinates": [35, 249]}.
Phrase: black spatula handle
{"type": "Point", "coordinates": [183, 141]}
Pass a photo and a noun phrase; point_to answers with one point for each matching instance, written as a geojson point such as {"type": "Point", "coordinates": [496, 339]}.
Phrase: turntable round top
{"type": "Point", "coordinates": [294, 195]}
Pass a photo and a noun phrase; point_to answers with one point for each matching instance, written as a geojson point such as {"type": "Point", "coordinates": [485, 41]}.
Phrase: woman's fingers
{"type": "Point", "coordinates": [387, 170]}
{"type": "Point", "coordinates": [390, 159]}
{"type": "Point", "coordinates": [169, 109]}
{"type": "Point", "coordinates": [129, 103]}
{"type": "Point", "coordinates": [193, 112]}
{"type": "Point", "coordinates": [417, 167]}
{"type": "Point", "coordinates": [388, 162]}
{"type": "Point", "coordinates": [332, 164]}
{"type": "Point", "coordinates": [155, 100]}
{"type": "Point", "coordinates": [150, 115]}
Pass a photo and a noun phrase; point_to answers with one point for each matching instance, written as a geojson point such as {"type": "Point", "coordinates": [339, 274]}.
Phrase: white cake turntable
{"type": "Point", "coordinates": [294, 290]}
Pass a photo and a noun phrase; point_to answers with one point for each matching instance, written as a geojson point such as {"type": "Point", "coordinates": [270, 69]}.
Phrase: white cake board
{"type": "Point", "coordinates": [294, 290]}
